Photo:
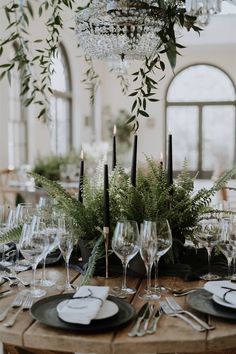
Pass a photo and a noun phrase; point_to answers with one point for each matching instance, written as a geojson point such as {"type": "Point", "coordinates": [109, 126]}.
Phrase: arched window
{"type": "Point", "coordinates": [200, 110]}
{"type": "Point", "coordinates": [61, 103]}
{"type": "Point", "coordinates": [17, 123]}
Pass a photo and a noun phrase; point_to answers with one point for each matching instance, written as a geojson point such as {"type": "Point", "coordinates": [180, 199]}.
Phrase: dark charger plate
{"type": "Point", "coordinates": [201, 300]}
{"type": "Point", "coordinates": [45, 311]}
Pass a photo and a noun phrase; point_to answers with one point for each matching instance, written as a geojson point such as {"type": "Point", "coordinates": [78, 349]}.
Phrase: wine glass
{"type": "Point", "coordinates": [66, 244]}
{"type": "Point", "coordinates": [33, 244]}
{"type": "Point", "coordinates": [23, 214]}
{"type": "Point", "coordinates": [227, 243]}
{"type": "Point", "coordinates": [208, 234]}
{"type": "Point", "coordinates": [164, 243]}
{"type": "Point", "coordinates": [53, 240]}
{"type": "Point", "coordinates": [125, 244]}
{"type": "Point", "coordinates": [148, 251]}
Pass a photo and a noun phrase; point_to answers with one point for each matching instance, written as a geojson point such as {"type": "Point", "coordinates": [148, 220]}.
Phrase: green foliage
{"type": "Point", "coordinates": [12, 234]}
{"type": "Point", "coordinates": [37, 54]}
{"type": "Point", "coordinates": [49, 166]}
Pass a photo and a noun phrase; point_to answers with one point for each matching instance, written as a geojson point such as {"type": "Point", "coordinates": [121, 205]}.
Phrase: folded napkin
{"type": "Point", "coordinates": [84, 306]}
{"type": "Point", "coordinates": [225, 289]}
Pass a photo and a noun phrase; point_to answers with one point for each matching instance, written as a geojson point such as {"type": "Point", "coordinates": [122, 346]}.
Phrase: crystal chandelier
{"type": "Point", "coordinates": [121, 30]}
{"type": "Point", "coordinates": [118, 30]}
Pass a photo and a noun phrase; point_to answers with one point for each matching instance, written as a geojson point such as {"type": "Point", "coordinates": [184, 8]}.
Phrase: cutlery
{"type": "Point", "coordinates": [156, 316]}
{"type": "Point", "coordinates": [140, 317]}
{"type": "Point", "coordinates": [169, 312]}
{"type": "Point", "coordinates": [178, 309]}
{"type": "Point", "coordinates": [5, 292]}
{"type": "Point", "coordinates": [23, 282]}
{"type": "Point", "coordinates": [17, 302]}
{"type": "Point", "coordinates": [143, 328]}
{"type": "Point", "coordinates": [27, 304]}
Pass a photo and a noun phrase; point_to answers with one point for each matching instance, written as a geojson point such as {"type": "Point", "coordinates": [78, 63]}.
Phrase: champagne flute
{"type": "Point", "coordinates": [148, 251]}
{"type": "Point", "coordinates": [208, 235]}
{"type": "Point", "coordinates": [164, 243]}
{"type": "Point", "coordinates": [125, 245]}
{"type": "Point", "coordinates": [33, 245]}
{"type": "Point", "coordinates": [66, 244]}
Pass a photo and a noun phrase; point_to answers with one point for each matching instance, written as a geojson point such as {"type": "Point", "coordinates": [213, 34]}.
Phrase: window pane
{"type": "Point", "coordinates": [218, 138]}
{"type": "Point", "coordinates": [63, 127]}
{"type": "Point", "coordinates": [201, 83]}
{"type": "Point", "coordinates": [60, 77]}
{"type": "Point", "coordinates": [183, 124]}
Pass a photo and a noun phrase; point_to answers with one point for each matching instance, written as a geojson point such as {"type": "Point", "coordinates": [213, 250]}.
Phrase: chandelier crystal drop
{"type": "Point", "coordinates": [119, 30]}
{"type": "Point", "coordinates": [203, 10]}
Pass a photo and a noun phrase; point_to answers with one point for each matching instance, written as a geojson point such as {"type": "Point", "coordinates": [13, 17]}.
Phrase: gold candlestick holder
{"type": "Point", "coordinates": [106, 240]}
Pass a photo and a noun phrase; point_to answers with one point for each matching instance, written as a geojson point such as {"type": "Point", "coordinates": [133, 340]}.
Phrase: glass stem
{"type": "Point", "coordinates": [156, 263]}
{"type": "Point", "coordinates": [34, 266]}
{"type": "Point", "coordinates": [148, 268]}
{"type": "Point", "coordinates": [124, 286]}
{"type": "Point", "coordinates": [234, 261]}
{"type": "Point", "coordinates": [209, 250]}
{"type": "Point", "coordinates": [17, 254]}
{"type": "Point", "coordinates": [44, 269]}
{"type": "Point", "coordinates": [229, 260]}
{"type": "Point", "coordinates": [67, 274]}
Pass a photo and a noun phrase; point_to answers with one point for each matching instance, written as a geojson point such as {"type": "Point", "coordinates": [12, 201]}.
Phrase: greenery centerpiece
{"type": "Point", "coordinates": [149, 200]}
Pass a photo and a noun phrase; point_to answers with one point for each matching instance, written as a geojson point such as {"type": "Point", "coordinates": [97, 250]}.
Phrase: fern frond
{"type": "Point", "coordinates": [97, 253]}
{"type": "Point", "coordinates": [13, 234]}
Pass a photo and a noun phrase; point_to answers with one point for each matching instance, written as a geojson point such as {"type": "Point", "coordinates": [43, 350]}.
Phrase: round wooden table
{"type": "Point", "coordinates": [172, 335]}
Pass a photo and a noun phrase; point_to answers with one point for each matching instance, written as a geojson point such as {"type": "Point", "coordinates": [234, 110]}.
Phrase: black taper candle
{"type": "Point", "coordinates": [134, 162]}
{"type": "Point", "coordinates": [170, 162]}
{"type": "Point", "coordinates": [106, 213]}
{"type": "Point", "coordinates": [114, 149]}
{"type": "Point", "coordinates": [81, 178]}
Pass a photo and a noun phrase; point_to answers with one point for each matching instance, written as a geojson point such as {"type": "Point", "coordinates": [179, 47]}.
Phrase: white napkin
{"type": "Point", "coordinates": [84, 306]}
{"type": "Point", "coordinates": [215, 287]}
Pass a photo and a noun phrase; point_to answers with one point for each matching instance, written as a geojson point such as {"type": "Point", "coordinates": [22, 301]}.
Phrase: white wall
{"type": "Point", "coordinates": [216, 45]}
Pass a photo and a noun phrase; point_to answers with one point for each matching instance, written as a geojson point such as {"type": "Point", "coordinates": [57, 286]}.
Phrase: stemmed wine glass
{"type": "Point", "coordinates": [148, 251]}
{"type": "Point", "coordinates": [125, 244]}
{"type": "Point", "coordinates": [66, 244]}
{"type": "Point", "coordinates": [208, 235]}
{"type": "Point", "coordinates": [227, 243]}
{"type": "Point", "coordinates": [33, 244]}
{"type": "Point", "coordinates": [164, 243]}
{"type": "Point", "coordinates": [23, 214]}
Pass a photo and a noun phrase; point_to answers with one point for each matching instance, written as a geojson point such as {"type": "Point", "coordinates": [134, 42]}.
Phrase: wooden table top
{"type": "Point", "coordinates": [172, 334]}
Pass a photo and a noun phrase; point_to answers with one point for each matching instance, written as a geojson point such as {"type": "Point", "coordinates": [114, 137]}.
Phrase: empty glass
{"type": "Point", "coordinates": [164, 243]}
{"type": "Point", "coordinates": [33, 244]}
{"type": "Point", "coordinates": [66, 244]}
{"type": "Point", "coordinates": [148, 251]}
{"type": "Point", "coordinates": [125, 244]}
{"type": "Point", "coordinates": [208, 235]}
{"type": "Point", "coordinates": [227, 243]}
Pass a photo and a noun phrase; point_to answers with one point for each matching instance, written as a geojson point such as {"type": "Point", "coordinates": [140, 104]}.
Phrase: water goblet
{"type": "Point", "coordinates": [208, 234]}
{"type": "Point", "coordinates": [164, 243]}
{"type": "Point", "coordinates": [148, 251]}
{"type": "Point", "coordinates": [125, 244]}
{"type": "Point", "coordinates": [66, 244]}
{"type": "Point", "coordinates": [33, 245]}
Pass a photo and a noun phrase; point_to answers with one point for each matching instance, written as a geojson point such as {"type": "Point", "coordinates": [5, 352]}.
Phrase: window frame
{"type": "Point", "coordinates": [66, 95]}
{"type": "Point", "coordinates": [199, 104]}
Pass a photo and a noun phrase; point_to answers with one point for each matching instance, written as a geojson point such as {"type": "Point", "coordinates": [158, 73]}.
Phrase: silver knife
{"type": "Point", "coordinates": [155, 319]}
{"type": "Point", "coordinates": [144, 325]}
{"type": "Point", "coordinates": [140, 317]}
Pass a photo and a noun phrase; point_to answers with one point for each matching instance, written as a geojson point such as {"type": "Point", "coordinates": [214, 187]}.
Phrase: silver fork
{"type": "Point", "coordinates": [169, 312]}
{"type": "Point", "coordinates": [27, 304]}
{"type": "Point", "coordinates": [17, 302]}
{"type": "Point", "coordinates": [178, 309]}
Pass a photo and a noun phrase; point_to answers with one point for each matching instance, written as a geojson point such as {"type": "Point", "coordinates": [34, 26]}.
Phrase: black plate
{"type": "Point", "coordinates": [45, 311]}
{"type": "Point", "coordinates": [201, 300]}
